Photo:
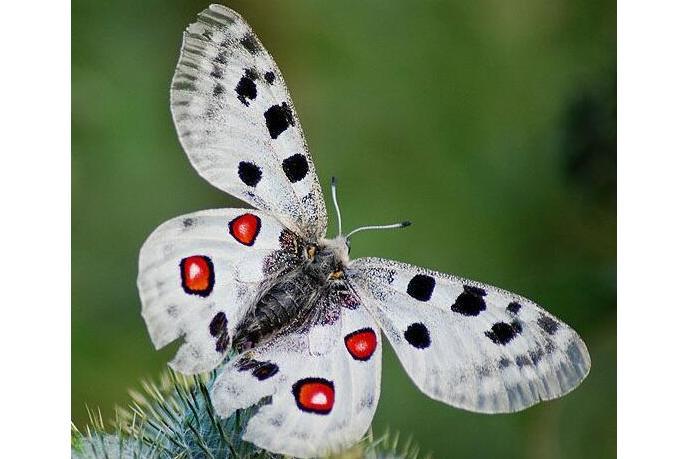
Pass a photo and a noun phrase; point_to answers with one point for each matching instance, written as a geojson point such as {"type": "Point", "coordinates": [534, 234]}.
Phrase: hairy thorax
{"type": "Point", "coordinates": [300, 298]}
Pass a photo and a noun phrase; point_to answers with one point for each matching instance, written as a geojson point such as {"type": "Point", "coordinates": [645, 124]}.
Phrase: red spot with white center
{"type": "Point", "coordinates": [197, 274]}
{"type": "Point", "coordinates": [361, 344]}
{"type": "Point", "coordinates": [314, 395]}
{"type": "Point", "coordinates": [245, 228]}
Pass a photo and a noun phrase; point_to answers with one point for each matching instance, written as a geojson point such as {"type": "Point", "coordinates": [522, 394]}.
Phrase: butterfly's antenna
{"type": "Point", "coordinates": [379, 227]}
{"type": "Point", "coordinates": [333, 189]}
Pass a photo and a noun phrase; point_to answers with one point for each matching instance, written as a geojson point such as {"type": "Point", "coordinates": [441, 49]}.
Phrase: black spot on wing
{"type": "Point", "coordinates": [246, 90]}
{"type": "Point", "coordinates": [421, 287]}
{"type": "Point", "coordinates": [217, 72]}
{"type": "Point", "coordinates": [221, 58]}
{"type": "Point", "coordinates": [514, 307]}
{"type": "Point", "coordinates": [417, 335]}
{"type": "Point", "coordinates": [270, 77]}
{"type": "Point", "coordinates": [278, 119]}
{"type": "Point", "coordinates": [218, 329]}
{"type": "Point", "coordinates": [218, 324]}
{"type": "Point", "coordinates": [184, 86]}
{"type": "Point", "coordinates": [502, 333]}
{"type": "Point", "coordinates": [295, 167]}
{"type": "Point", "coordinates": [522, 361]}
{"type": "Point", "coordinates": [549, 346]}
{"type": "Point", "coordinates": [218, 89]}
{"type": "Point", "coordinates": [265, 370]}
{"type": "Point", "coordinates": [250, 43]}
{"type": "Point", "coordinates": [249, 173]}
{"type": "Point", "coordinates": [470, 302]}
{"type": "Point", "coordinates": [246, 364]}
{"type": "Point", "coordinates": [536, 355]}
{"type": "Point", "coordinates": [222, 343]}
{"type": "Point", "coordinates": [548, 324]}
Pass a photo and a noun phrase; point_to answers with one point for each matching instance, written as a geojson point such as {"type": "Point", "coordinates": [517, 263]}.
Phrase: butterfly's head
{"type": "Point", "coordinates": [328, 259]}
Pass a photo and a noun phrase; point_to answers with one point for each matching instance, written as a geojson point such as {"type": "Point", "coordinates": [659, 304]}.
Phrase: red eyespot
{"type": "Point", "coordinates": [361, 344]}
{"type": "Point", "coordinates": [197, 275]}
{"type": "Point", "coordinates": [314, 395]}
{"type": "Point", "coordinates": [245, 228]}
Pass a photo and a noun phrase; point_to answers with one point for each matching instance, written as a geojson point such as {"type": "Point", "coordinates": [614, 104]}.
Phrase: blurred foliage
{"type": "Point", "coordinates": [490, 125]}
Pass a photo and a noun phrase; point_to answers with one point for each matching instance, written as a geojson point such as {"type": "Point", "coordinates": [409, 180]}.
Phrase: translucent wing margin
{"type": "Point", "coordinates": [199, 273]}
{"type": "Point", "coordinates": [322, 397]}
{"type": "Point", "coordinates": [467, 344]}
{"type": "Point", "coordinates": [236, 122]}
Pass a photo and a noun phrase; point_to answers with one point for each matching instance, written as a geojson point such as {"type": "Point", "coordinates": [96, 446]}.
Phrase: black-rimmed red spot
{"type": "Point", "coordinates": [361, 344]}
{"type": "Point", "coordinates": [245, 228]}
{"type": "Point", "coordinates": [198, 276]}
{"type": "Point", "coordinates": [314, 395]}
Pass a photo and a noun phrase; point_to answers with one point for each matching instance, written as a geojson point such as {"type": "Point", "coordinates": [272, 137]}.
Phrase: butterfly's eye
{"type": "Point", "coordinates": [311, 251]}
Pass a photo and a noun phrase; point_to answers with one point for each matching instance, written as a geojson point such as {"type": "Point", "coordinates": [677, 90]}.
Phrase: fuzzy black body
{"type": "Point", "coordinates": [295, 300]}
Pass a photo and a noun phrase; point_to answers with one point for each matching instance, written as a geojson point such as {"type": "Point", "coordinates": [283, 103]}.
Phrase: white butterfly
{"type": "Point", "coordinates": [285, 311]}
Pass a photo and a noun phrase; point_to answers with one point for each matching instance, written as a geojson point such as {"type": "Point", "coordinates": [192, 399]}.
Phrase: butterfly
{"type": "Point", "coordinates": [291, 323]}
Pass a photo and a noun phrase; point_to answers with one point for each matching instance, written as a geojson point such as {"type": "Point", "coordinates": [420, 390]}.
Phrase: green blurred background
{"type": "Point", "coordinates": [490, 125]}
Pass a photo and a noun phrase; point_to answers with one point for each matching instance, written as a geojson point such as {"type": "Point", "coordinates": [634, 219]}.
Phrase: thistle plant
{"type": "Point", "coordinates": [174, 418]}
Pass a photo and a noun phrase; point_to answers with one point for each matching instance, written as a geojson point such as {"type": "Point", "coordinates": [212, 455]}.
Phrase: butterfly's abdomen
{"type": "Point", "coordinates": [283, 307]}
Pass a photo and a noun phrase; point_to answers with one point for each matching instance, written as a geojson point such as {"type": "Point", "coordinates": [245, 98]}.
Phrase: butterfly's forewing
{"type": "Point", "coordinates": [470, 345]}
{"type": "Point", "coordinates": [199, 273]}
{"type": "Point", "coordinates": [322, 397]}
{"type": "Point", "coordinates": [237, 123]}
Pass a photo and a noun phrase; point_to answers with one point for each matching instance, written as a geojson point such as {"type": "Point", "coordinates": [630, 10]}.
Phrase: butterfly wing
{"type": "Point", "coordinates": [237, 123]}
{"type": "Point", "coordinates": [467, 344]}
{"type": "Point", "coordinates": [199, 273]}
{"type": "Point", "coordinates": [322, 398]}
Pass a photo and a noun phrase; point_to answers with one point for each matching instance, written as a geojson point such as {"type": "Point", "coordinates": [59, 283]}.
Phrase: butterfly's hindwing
{"type": "Point", "coordinates": [467, 344]}
{"type": "Point", "coordinates": [198, 276]}
{"type": "Point", "coordinates": [323, 385]}
{"type": "Point", "coordinates": [237, 123]}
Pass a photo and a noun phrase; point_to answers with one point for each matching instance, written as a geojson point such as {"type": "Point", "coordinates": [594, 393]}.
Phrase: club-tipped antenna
{"type": "Point", "coordinates": [333, 189]}
{"type": "Point", "coordinates": [403, 224]}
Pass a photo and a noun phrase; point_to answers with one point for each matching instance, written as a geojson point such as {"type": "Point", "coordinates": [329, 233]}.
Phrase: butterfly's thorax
{"type": "Point", "coordinates": [294, 300]}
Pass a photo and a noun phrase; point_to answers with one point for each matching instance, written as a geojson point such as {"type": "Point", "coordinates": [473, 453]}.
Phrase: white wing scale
{"type": "Point", "coordinates": [236, 122]}
{"type": "Point", "coordinates": [467, 344]}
